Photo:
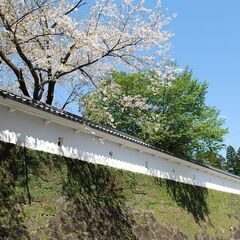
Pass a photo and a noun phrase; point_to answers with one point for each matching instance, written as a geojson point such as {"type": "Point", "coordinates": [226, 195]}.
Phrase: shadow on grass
{"type": "Point", "coordinates": [11, 175]}
{"type": "Point", "coordinates": [189, 197]}
{"type": "Point", "coordinates": [92, 207]}
{"type": "Point", "coordinates": [96, 203]}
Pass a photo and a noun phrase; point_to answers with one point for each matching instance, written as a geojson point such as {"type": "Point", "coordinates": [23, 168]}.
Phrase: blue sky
{"type": "Point", "coordinates": [208, 41]}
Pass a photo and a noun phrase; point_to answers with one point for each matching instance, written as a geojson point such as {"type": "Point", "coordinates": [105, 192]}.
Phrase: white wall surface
{"type": "Point", "coordinates": [26, 126]}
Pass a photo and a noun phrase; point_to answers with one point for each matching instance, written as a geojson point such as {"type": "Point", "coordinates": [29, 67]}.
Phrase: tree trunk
{"type": "Point", "coordinates": [50, 94]}
{"type": "Point", "coordinates": [36, 92]}
{"type": "Point", "coordinates": [23, 88]}
{"type": "Point", "coordinates": [22, 84]}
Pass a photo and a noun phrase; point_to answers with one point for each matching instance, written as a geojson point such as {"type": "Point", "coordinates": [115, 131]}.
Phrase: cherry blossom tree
{"type": "Point", "coordinates": [45, 42]}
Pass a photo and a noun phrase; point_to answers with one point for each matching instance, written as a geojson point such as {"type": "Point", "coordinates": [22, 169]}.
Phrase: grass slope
{"type": "Point", "coordinates": [44, 196]}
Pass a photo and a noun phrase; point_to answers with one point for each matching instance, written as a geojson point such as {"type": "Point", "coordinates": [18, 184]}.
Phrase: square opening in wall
{"type": "Point", "coordinates": [146, 164]}
{"type": "Point", "coordinates": [60, 141]}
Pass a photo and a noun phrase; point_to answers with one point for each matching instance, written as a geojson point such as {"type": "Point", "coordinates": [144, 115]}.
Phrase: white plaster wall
{"type": "Point", "coordinates": [32, 131]}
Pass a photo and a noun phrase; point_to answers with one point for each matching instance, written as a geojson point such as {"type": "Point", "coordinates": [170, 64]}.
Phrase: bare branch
{"type": "Point", "coordinates": [39, 36]}
{"type": "Point", "coordinates": [17, 72]}
{"type": "Point", "coordinates": [100, 13]}
{"type": "Point", "coordinates": [9, 63]}
{"type": "Point", "coordinates": [28, 13]}
{"type": "Point", "coordinates": [89, 77]}
{"type": "Point", "coordinates": [79, 4]}
{"type": "Point", "coordinates": [108, 53]}
{"type": "Point", "coordinates": [68, 101]}
{"type": "Point", "coordinates": [23, 56]}
{"type": "Point", "coordinates": [64, 59]}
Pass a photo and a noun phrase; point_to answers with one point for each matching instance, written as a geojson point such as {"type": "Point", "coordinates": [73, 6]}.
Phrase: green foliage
{"type": "Point", "coordinates": [233, 160]}
{"type": "Point", "coordinates": [213, 159]}
{"type": "Point", "coordinates": [170, 114]}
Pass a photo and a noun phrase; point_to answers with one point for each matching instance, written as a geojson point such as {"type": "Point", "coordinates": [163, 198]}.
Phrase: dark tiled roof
{"type": "Point", "coordinates": [75, 118]}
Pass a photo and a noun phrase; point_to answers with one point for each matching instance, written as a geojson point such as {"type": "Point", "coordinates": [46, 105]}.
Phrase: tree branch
{"type": "Point", "coordinates": [50, 95]}
{"type": "Point", "coordinates": [23, 56]}
{"type": "Point", "coordinates": [75, 7]}
{"type": "Point", "coordinates": [28, 13]}
{"type": "Point", "coordinates": [69, 97]}
{"type": "Point", "coordinates": [113, 49]}
{"type": "Point", "coordinates": [64, 59]}
{"type": "Point", "coordinates": [40, 35]}
{"type": "Point", "coordinates": [17, 72]}
{"type": "Point", "coordinates": [69, 11]}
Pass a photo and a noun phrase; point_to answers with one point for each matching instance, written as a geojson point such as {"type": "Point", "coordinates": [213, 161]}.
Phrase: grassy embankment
{"type": "Point", "coordinates": [43, 196]}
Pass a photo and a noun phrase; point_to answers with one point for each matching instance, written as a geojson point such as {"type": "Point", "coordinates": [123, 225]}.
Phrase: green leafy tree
{"type": "Point", "coordinates": [170, 114]}
{"type": "Point", "coordinates": [233, 160]}
{"type": "Point", "coordinates": [212, 158]}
